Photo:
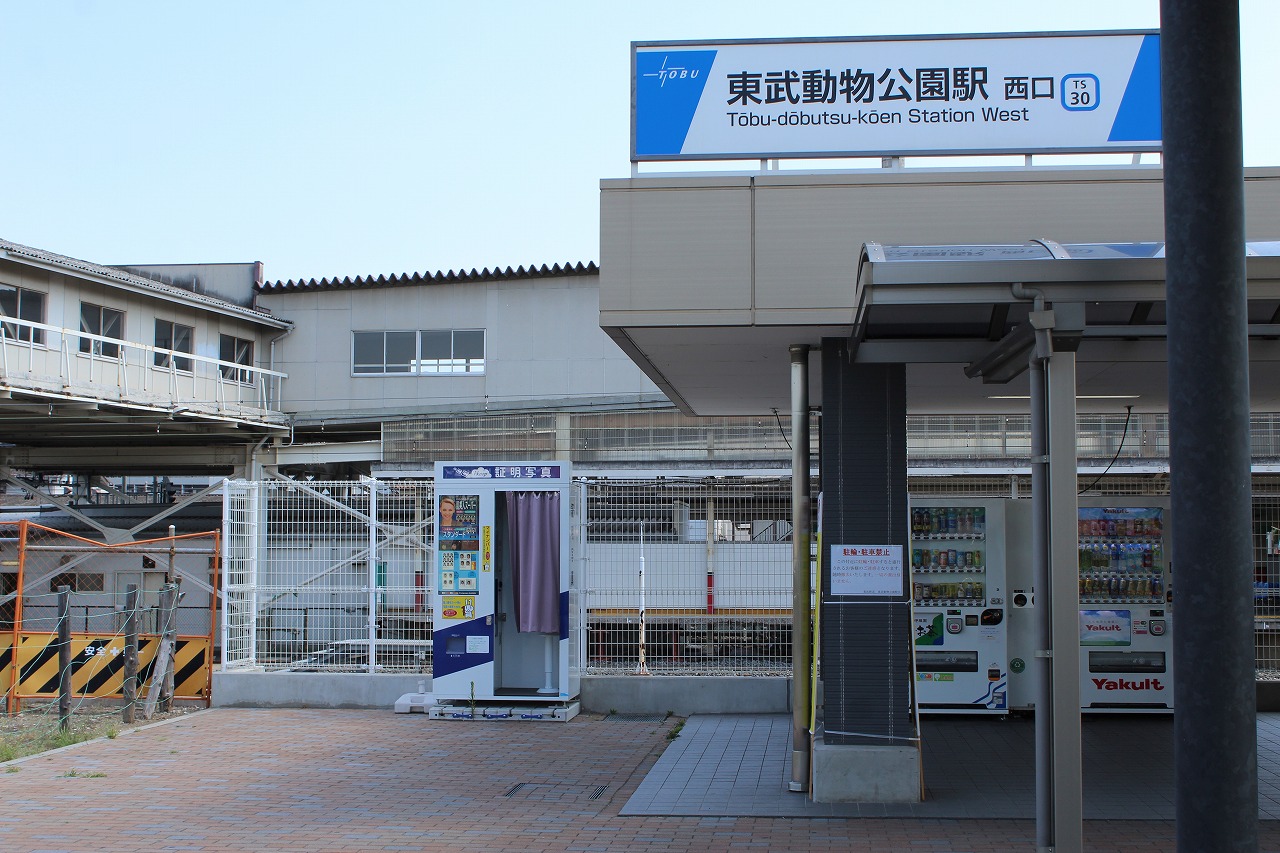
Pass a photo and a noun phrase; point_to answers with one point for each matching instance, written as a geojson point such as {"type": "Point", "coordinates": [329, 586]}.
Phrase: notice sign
{"type": "Point", "coordinates": [1016, 93]}
{"type": "Point", "coordinates": [866, 570]}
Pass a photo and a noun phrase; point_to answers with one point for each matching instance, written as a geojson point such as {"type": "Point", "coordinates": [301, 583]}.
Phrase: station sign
{"type": "Point", "coordinates": [859, 97]}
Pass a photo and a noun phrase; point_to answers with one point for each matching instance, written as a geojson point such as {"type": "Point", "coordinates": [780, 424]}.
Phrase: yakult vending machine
{"type": "Point", "coordinates": [1126, 606]}
{"type": "Point", "coordinates": [958, 588]}
{"type": "Point", "coordinates": [503, 584]}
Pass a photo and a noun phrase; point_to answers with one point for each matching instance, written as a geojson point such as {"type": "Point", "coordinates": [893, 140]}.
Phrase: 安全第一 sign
{"type": "Point", "coordinates": [1050, 93]}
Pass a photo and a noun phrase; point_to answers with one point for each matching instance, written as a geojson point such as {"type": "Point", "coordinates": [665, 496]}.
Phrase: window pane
{"type": "Point", "coordinates": [238, 350]}
{"type": "Point", "coordinates": [367, 352]}
{"type": "Point", "coordinates": [91, 322]}
{"type": "Point", "coordinates": [437, 344]}
{"type": "Point", "coordinates": [183, 341]}
{"type": "Point", "coordinates": [9, 308]}
{"type": "Point", "coordinates": [164, 340]}
{"type": "Point", "coordinates": [401, 351]}
{"type": "Point", "coordinates": [469, 344]}
{"type": "Point", "coordinates": [31, 307]}
{"type": "Point", "coordinates": [113, 323]}
{"type": "Point", "coordinates": [8, 300]}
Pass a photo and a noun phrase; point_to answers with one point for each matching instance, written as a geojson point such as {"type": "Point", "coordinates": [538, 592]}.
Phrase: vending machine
{"type": "Point", "coordinates": [502, 586]}
{"type": "Point", "coordinates": [1126, 606]}
{"type": "Point", "coordinates": [958, 590]}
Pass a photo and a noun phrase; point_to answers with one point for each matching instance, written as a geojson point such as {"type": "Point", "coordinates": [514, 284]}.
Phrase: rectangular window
{"type": "Point", "coordinates": [237, 351]}
{"type": "Point", "coordinates": [452, 351]}
{"type": "Point", "coordinates": [22, 304]}
{"type": "Point", "coordinates": [431, 352]}
{"type": "Point", "coordinates": [177, 337]}
{"type": "Point", "coordinates": [102, 321]}
{"type": "Point", "coordinates": [78, 581]}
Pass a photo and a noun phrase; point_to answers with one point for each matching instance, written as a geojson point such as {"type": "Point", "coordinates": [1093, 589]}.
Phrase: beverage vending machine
{"type": "Point", "coordinates": [1126, 606]}
{"type": "Point", "coordinates": [502, 583]}
{"type": "Point", "coordinates": [958, 590]}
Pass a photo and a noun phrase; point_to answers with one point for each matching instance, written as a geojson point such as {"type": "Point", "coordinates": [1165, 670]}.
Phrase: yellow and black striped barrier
{"type": "Point", "coordinates": [6, 663]}
{"type": "Point", "coordinates": [97, 665]}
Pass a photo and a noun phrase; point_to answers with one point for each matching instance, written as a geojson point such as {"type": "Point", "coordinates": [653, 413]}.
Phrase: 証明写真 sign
{"type": "Point", "coordinates": [1076, 92]}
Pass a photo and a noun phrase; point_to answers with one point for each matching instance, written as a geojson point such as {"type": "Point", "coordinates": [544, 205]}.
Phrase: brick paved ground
{"type": "Point", "coordinates": [312, 780]}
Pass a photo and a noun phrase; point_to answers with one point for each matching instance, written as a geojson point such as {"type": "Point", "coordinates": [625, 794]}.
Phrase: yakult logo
{"type": "Point", "coordinates": [1126, 684]}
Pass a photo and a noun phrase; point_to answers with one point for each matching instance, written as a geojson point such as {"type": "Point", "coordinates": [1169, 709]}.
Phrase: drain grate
{"type": "Point", "coordinates": [551, 791]}
{"type": "Point", "coordinates": [636, 718]}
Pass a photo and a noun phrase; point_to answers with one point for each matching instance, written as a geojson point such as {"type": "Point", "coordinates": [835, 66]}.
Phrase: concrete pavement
{"type": "Point", "coordinates": [336, 780]}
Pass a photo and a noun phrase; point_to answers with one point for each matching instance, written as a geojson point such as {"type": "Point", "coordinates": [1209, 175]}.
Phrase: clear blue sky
{"type": "Point", "coordinates": [356, 138]}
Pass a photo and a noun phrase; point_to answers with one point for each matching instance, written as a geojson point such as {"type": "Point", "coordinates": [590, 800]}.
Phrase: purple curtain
{"type": "Point", "coordinates": [533, 527]}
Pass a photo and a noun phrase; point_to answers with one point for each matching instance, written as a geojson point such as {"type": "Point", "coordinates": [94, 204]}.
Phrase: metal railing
{"type": "Point", "coordinates": [68, 362]}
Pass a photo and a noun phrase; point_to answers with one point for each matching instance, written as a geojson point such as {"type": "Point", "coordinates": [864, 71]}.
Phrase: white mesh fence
{"type": "Point", "coordinates": [676, 576]}
{"type": "Point", "coordinates": [707, 563]}
{"type": "Point", "coordinates": [328, 576]}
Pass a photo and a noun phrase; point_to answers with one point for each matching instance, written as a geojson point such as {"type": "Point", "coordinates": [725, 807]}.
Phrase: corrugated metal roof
{"type": "Point", "coordinates": [17, 252]}
{"type": "Point", "coordinates": [415, 279]}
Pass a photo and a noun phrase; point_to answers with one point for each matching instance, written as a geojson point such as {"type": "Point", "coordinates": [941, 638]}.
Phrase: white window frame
{"type": "Point", "coordinates": [102, 348]}
{"type": "Point", "coordinates": [162, 359]}
{"type": "Point", "coordinates": [244, 374]}
{"type": "Point", "coordinates": [420, 366]}
{"type": "Point", "coordinates": [25, 334]}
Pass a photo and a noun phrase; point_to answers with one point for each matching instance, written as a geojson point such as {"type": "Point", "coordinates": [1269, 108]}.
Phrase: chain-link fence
{"type": "Point", "coordinates": [38, 561]}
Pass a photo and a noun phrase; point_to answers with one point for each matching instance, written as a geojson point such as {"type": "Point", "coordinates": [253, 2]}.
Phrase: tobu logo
{"type": "Point", "coordinates": [1126, 684]}
{"type": "Point", "coordinates": [675, 72]}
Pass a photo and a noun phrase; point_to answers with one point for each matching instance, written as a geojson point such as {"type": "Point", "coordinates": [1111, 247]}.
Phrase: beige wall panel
{"type": "Point", "coordinates": [808, 238]}
{"type": "Point", "coordinates": [685, 249]}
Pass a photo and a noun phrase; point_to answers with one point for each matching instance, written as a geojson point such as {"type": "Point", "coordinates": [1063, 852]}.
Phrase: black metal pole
{"type": "Point", "coordinates": [129, 688]}
{"type": "Point", "coordinates": [64, 658]}
{"type": "Point", "coordinates": [1215, 716]}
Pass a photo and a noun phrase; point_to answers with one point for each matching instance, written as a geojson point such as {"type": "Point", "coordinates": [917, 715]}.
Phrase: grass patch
{"type": "Point", "coordinates": [675, 730]}
{"type": "Point", "coordinates": [36, 731]}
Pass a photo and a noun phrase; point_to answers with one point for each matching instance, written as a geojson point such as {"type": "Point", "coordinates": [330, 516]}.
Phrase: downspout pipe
{"type": "Point", "coordinates": [802, 594]}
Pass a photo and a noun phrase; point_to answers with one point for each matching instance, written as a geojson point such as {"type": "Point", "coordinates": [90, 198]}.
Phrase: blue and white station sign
{"type": "Point", "coordinates": [981, 94]}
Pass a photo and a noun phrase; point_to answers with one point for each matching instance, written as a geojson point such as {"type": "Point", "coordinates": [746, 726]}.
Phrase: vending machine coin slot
{"type": "Point", "coordinates": [955, 624]}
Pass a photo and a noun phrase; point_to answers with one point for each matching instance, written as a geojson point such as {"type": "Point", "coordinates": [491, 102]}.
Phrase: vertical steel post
{"type": "Point", "coordinates": [1042, 664]}
{"type": "Point", "coordinates": [1215, 715]}
{"type": "Point", "coordinates": [129, 686]}
{"type": "Point", "coordinates": [710, 553]}
{"type": "Point", "coordinates": [168, 638]}
{"type": "Point", "coordinates": [373, 574]}
{"type": "Point", "coordinates": [1064, 601]}
{"type": "Point", "coordinates": [64, 658]}
{"type": "Point", "coordinates": [801, 592]}
{"type": "Point", "coordinates": [15, 672]}
{"type": "Point", "coordinates": [642, 668]}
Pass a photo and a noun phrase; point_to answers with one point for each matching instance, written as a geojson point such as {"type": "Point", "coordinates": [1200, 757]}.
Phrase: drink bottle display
{"type": "Point", "coordinates": [945, 541]}
{"type": "Point", "coordinates": [1120, 559]}
{"type": "Point", "coordinates": [959, 615]}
